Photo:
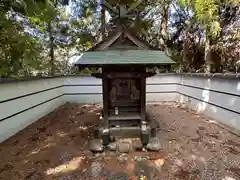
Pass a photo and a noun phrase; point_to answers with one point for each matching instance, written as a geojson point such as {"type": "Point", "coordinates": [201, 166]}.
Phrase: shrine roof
{"type": "Point", "coordinates": [123, 57]}
{"type": "Point", "coordinates": [123, 47]}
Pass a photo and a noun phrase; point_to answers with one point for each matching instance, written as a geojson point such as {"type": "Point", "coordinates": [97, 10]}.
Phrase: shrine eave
{"type": "Point", "coordinates": [123, 57]}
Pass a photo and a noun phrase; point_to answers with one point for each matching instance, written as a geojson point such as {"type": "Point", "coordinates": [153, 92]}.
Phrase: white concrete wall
{"type": "Point", "coordinates": [87, 89]}
{"type": "Point", "coordinates": [82, 89]}
{"type": "Point", "coordinates": [216, 97]}
{"type": "Point", "coordinates": [162, 88]}
{"type": "Point", "coordinates": [23, 103]}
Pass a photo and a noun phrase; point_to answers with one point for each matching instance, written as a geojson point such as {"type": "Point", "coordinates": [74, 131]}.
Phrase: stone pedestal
{"type": "Point", "coordinates": [96, 145]}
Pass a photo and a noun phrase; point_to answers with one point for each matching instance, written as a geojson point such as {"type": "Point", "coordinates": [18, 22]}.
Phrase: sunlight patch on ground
{"type": "Point", "coordinates": [179, 162]}
{"type": "Point", "coordinates": [82, 128]}
{"type": "Point", "coordinates": [49, 145]}
{"type": "Point", "coordinates": [72, 165]}
{"type": "Point", "coordinates": [61, 134]}
{"type": "Point", "coordinates": [211, 122]}
{"type": "Point", "coordinates": [229, 178]}
{"type": "Point", "coordinates": [35, 151]}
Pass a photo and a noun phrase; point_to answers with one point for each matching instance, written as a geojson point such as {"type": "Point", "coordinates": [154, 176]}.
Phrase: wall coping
{"type": "Point", "coordinates": [35, 78]}
{"type": "Point", "coordinates": [232, 76]}
{"type": "Point", "coordinates": [208, 75]}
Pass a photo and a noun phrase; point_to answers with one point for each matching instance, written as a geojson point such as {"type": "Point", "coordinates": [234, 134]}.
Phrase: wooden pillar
{"type": "Point", "coordinates": [143, 99]}
{"type": "Point", "coordinates": [105, 100]}
{"type": "Point", "coordinates": [105, 131]}
{"type": "Point", "coordinates": [144, 130]}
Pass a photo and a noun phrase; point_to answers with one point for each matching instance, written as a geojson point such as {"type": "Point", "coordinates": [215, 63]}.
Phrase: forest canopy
{"type": "Point", "coordinates": [39, 37]}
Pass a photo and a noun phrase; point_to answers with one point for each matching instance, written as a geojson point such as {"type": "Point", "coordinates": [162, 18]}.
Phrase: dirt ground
{"type": "Point", "coordinates": [56, 147]}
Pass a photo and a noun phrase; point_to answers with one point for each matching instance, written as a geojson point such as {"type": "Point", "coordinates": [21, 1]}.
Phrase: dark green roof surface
{"type": "Point", "coordinates": [111, 57]}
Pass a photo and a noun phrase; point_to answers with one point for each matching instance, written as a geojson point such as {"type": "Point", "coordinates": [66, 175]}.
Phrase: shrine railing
{"type": "Point", "coordinates": [24, 102]}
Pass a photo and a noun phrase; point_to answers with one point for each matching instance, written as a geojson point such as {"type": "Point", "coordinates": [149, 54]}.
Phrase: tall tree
{"type": "Point", "coordinates": [206, 12]}
{"type": "Point", "coordinates": [19, 49]}
{"type": "Point", "coordinates": [164, 5]}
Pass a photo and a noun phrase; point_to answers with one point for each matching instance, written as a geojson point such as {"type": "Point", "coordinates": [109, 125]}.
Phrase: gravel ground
{"type": "Point", "coordinates": [56, 147]}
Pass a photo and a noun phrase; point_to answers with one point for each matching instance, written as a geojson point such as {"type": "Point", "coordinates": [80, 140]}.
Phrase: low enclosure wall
{"type": "Point", "coordinates": [217, 97]}
{"type": "Point", "coordinates": [24, 102]}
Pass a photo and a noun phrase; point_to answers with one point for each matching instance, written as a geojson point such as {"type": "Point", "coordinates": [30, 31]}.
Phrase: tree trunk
{"type": "Point", "coordinates": [185, 51]}
{"type": "Point", "coordinates": [51, 53]}
{"type": "Point", "coordinates": [164, 36]}
{"type": "Point", "coordinates": [102, 24]}
{"type": "Point", "coordinates": [185, 64]}
{"type": "Point", "coordinates": [207, 56]}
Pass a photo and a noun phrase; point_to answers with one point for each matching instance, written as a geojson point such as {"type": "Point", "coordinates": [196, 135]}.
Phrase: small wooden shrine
{"type": "Point", "coordinates": [123, 59]}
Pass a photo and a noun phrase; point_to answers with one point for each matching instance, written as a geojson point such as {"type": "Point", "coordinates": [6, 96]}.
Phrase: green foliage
{"type": "Point", "coordinates": [31, 29]}
{"type": "Point", "coordinates": [206, 10]}
{"type": "Point", "coordinates": [18, 50]}
{"type": "Point", "coordinates": [184, 3]}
